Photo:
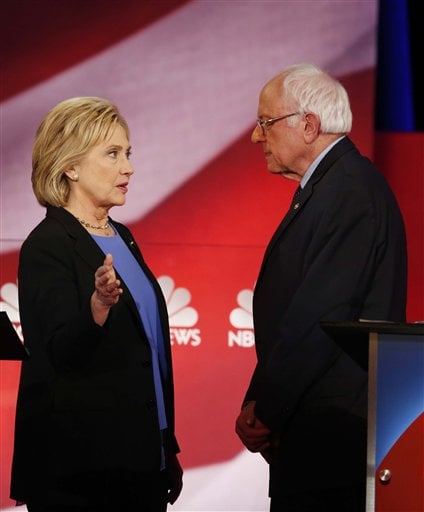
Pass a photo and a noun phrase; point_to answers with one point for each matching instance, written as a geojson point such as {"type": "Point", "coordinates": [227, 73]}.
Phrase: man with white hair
{"type": "Point", "coordinates": [338, 254]}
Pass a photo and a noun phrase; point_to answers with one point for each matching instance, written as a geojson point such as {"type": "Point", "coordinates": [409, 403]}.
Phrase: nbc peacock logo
{"type": "Point", "coordinates": [241, 318]}
{"type": "Point", "coordinates": [182, 317]}
{"type": "Point", "coordinates": [10, 304]}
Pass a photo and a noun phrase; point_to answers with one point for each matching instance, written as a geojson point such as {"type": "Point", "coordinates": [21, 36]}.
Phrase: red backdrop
{"type": "Point", "coordinates": [207, 232]}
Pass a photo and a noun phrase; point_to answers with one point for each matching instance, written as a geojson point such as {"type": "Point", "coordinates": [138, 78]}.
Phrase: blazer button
{"type": "Point", "coordinates": [150, 404]}
{"type": "Point", "coordinates": [146, 363]}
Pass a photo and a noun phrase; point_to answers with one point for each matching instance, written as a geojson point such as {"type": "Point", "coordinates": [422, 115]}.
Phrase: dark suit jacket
{"type": "Point", "coordinates": [86, 398]}
{"type": "Point", "coordinates": [340, 254]}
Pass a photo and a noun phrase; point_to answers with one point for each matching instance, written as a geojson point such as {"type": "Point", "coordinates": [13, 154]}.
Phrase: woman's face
{"type": "Point", "coordinates": [104, 173]}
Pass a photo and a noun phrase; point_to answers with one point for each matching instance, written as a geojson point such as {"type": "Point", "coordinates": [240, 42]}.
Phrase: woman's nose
{"type": "Point", "coordinates": [127, 168]}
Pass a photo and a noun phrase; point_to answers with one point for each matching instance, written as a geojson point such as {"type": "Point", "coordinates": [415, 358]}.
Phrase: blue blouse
{"type": "Point", "coordinates": [144, 296]}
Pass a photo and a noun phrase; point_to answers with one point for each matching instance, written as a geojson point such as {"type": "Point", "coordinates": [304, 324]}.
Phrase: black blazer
{"type": "Point", "coordinates": [86, 398]}
{"type": "Point", "coordinates": [339, 254]}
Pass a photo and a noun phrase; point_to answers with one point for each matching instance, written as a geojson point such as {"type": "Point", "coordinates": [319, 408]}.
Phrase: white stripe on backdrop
{"type": "Point", "coordinates": [188, 86]}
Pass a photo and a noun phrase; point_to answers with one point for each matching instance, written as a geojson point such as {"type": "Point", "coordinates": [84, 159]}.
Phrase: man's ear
{"type": "Point", "coordinates": [312, 125]}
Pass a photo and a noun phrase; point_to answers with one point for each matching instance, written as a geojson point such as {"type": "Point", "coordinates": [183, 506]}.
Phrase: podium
{"type": "Point", "coordinates": [393, 355]}
{"type": "Point", "coordinates": [11, 347]}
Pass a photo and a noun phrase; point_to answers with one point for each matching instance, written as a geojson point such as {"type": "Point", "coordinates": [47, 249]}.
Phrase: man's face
{"type": "Point", "coordinates": [282, 143]}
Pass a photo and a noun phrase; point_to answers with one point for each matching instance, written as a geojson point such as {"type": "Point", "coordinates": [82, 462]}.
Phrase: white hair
{"type": "Point", "coordinates": [313, 90]}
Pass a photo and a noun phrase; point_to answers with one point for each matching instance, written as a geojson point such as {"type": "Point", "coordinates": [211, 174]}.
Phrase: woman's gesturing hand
{"type": "Point", "coordinates": [107, 290]}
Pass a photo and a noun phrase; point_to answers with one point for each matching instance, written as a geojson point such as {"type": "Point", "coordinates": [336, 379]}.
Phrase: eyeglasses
{"type": "Point", "coordinates": [263, 125]}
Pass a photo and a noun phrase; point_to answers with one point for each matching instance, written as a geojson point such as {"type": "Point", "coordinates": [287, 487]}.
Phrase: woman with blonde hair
{"type": "Point", "coordinates": [95, 412]}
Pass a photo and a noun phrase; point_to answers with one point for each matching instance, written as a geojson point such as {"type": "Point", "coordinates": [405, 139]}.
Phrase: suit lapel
{"type": "Point", "coordinates": [89, 251]}
{"type": "Point", "coordinates": [326, 163]}
{"type": "Point", "coordinates": [85, 246]}
{"type": "Point", "coordinates": [294, 210]}
{"type": "Point", "coordinates": [290, 215]}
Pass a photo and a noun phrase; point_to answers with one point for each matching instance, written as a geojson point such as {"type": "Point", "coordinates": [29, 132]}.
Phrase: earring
{"type": "Point", "coordinates": [75, 176]}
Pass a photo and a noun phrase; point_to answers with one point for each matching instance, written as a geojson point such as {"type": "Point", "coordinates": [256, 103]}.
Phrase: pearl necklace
{"type": "Point", "coordinates": [88, 225]}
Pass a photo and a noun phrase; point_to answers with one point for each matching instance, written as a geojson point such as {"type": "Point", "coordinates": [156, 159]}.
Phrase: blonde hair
{"type": "Point", "coordinates": [63, 138]}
